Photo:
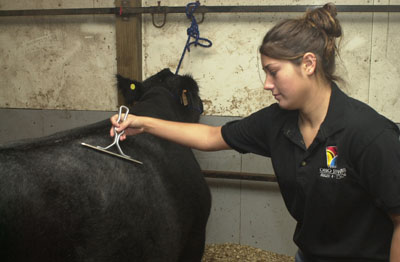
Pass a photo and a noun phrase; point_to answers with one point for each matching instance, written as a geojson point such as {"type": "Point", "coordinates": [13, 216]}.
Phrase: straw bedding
{"type": "Point", "coordinates": [230, 252]}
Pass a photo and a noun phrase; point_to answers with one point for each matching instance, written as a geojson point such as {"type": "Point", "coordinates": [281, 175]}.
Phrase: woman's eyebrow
{"type": "Point", "coordinates": [267, 67]}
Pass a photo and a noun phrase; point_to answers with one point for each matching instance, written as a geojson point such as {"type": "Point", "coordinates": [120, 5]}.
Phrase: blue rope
{"type": "Point", "coordinates": [192, 31]}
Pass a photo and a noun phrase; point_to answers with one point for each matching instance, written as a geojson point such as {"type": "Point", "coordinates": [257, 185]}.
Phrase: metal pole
{"type": "Point", "coordinates": [239, 176]}
{"type": "Point", "coordinates": [42, 12]}
{"type": "Point", "coordinates": [263, 9]}
{"type": "Point", "coordinates": [201, 9]}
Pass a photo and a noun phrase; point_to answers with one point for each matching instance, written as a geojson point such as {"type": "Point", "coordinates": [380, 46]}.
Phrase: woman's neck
{"type": "Point", "coordinates": [316, 107]}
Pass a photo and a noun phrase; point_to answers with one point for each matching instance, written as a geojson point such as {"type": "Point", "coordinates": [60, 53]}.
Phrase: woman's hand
{"type": "Point", "coordinates": [132, 126]}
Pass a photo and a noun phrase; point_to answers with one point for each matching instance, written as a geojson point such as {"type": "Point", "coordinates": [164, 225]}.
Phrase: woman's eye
{"type": "Point", "coordinates": [272, 73]}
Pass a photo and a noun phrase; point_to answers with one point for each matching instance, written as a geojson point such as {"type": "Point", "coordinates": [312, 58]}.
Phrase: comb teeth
{"type": "Point", "coordinates": [112, 153]}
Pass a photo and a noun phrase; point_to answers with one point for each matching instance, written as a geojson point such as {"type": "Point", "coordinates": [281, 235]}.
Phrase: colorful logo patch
{"type": "Point", "coordinates": [331, 156]}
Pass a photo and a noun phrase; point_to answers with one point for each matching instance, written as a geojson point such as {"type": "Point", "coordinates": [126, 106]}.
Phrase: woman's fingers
{"type": "Point", "coordinates": [127, 126]}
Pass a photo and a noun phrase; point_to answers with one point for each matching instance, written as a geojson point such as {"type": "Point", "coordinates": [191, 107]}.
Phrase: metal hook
{"type": "Point", "coordinates": [163, 23]}
{"type": "Point", "coordinates": [202, 19]}
{"type": "Point", "coordinates": [165, 16]}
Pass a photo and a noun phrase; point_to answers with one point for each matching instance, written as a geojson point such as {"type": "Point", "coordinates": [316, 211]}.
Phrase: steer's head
{"type": "Point", "coordinates": [182, 90]}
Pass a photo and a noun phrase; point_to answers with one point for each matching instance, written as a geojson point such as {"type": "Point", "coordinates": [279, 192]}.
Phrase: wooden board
{"type": "Point", "coordinates": [129, 43]}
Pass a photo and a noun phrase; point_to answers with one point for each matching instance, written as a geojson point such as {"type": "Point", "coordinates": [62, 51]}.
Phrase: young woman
{"type": "Point", "coordinates": [336, 159]}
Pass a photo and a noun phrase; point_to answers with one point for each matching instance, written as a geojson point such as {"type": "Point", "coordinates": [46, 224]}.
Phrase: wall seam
{"type": "Point", "coordinates": [240, 201]}
{"type": "Point", "coordinates": [370, 57]}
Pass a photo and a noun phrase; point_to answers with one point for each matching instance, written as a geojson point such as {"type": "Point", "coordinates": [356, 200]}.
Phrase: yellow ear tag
{"type": "Point", "coordinates": [133, 86]}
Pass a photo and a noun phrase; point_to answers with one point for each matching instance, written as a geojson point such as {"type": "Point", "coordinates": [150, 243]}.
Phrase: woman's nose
{"type": "Point", "coordinates": [268, 84]}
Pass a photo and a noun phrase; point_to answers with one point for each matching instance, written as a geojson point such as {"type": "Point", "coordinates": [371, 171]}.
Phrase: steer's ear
{"type": "Point", "coordinates": [131, 90]}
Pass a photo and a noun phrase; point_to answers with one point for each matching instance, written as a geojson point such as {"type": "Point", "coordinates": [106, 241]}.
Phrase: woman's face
{"type": "Point", "coordinates": [286, 81]}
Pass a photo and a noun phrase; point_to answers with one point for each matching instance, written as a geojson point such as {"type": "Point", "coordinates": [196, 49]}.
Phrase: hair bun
{"type": "Point", "coordinates": [324, 18]}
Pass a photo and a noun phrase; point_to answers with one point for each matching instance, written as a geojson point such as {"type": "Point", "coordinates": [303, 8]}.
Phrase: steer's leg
{"type": "Point", "coordinates": [194, 248]}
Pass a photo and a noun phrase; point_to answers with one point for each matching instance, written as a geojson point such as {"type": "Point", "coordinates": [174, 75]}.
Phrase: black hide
{"type": "Point", "coordinates": [60, 201]}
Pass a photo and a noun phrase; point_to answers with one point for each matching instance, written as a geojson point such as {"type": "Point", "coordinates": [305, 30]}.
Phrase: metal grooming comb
{"type": "Point", "coordinates": [116, 140]}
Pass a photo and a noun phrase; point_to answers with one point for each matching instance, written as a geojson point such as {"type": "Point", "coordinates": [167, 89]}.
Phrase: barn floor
{"type": "Point", "coordinates": [230, 252]}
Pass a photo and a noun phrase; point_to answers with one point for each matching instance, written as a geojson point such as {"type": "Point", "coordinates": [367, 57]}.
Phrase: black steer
{"type": "Point", "coordinates": [60, 201]}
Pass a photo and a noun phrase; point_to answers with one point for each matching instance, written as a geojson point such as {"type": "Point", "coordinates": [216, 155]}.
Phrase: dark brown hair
{"type": "Point", "coordinates": [315, 32]}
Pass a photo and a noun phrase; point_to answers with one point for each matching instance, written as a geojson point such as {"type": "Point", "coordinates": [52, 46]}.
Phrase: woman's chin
{"type": "Point", "coordinates": [285, 106]}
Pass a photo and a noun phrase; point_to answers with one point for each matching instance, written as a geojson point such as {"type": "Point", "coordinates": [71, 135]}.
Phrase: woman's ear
{"type": "Point", "coordinates": [309, 63]}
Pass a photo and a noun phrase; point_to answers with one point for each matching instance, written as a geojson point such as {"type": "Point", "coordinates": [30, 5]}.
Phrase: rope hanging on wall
{"type": "Point", "coordinates": [192, 31]}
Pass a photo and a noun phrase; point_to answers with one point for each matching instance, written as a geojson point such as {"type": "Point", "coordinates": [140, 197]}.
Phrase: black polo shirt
{"type": "Point", "coordinates": [341, 189]}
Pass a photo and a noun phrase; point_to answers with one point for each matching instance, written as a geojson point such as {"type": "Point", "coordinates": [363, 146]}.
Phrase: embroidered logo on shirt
{"type": "Point", "coordinates": [331, 156]}
{"type": "Point", "coordinates": [332, 171]}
